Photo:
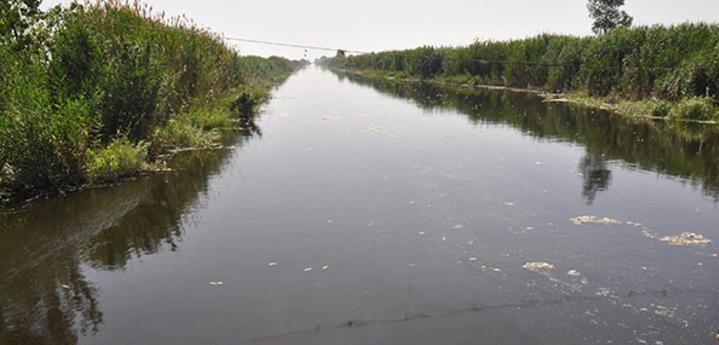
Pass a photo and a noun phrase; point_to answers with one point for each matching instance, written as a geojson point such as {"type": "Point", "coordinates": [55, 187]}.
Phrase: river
{"type": "Point", "coordinates": [375, 212]}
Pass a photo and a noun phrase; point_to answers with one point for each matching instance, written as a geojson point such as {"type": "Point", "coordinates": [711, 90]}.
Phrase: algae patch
{"type": "Point", "coordinates": [594, 220]}
{"type": "Point", "coordinates": [683, 239]}
{"type": "Point", "coordinates": [686, 239]}
{"type": "Point", "coordinates": [538, 266]}
{"type": "Point", "coordinates": [604, 292]}
{"type": "Point", "coordinates": [574, 273]}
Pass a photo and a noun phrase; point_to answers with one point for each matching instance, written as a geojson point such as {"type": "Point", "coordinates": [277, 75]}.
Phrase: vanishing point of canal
{"type": "Point", "coordinates": [373, 212]}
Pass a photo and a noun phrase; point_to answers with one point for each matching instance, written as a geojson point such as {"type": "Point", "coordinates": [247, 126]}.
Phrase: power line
{"type": "Point", "coordinates": [446, 57]}
{"type": "Point", "coordinates": [291, 45]}
{"type": "Point", "coordinates": [479, 61]}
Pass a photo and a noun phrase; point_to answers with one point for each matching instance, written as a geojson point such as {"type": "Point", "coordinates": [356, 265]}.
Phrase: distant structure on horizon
{"type": "Point", "coordinates": [341, 53]}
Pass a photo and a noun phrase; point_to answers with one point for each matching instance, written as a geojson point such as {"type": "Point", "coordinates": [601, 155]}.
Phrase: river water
{"type": "Point", "coordinates": [374, 212]}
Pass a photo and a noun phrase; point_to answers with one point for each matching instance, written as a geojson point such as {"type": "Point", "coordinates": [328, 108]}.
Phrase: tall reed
{"type": "Point", "coordinates": [78, 79]}
{"type": "Point", "coordinates": [671, 63]}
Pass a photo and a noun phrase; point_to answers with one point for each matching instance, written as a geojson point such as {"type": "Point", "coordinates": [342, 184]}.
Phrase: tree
{"type": "Point", "coordinates": [15, 16]}
{"type": "Point", "coordinates": [607, 16]}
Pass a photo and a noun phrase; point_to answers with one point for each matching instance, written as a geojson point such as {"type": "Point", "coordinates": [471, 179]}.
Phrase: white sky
{"type": "Point", "coordinates": [372, 25]}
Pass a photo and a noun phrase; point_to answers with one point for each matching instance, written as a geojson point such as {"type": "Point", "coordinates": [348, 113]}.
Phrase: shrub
{"type": "Point", "coordinates": [181, 133]}
{"type": "Point", "coordinates": [661, 108]}
{"type": "Point", "coordinates": [208, 118]}
{"type": "Point", "coordinates": [426, 62]}
{"type": "Point", "coordinates": [248, 101]}
{"type": "Point", "coordinates": [118, 159]}
{"type": "Point", "coordinates": [696, 108]}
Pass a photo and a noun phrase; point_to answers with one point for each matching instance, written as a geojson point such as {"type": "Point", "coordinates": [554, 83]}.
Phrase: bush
{"type": "Point", "coordinates": [208, 119]}
{"type": "Point", "coordinates": [661, 109]}
{"type": "Point", "coordinates": [697, 108]}
{"type": "Point", "coordinates": [118, 159]}
{"type": "Point", "coordinates": [179, 132]}
{"type": "Point", "coordinates": [246, 104]}
{"type": "Point", "coordinates": [425, 62]}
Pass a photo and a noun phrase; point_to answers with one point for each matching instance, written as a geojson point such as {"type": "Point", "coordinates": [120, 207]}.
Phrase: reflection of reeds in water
{"type": "Point", "coordinates": [686, 150]}
{"type": "Point", "coordinates": [48, 304]}
{"type": "Point", "coordinates": [157, 221]}
{"type": "Point", "coordinates": [44, 297]}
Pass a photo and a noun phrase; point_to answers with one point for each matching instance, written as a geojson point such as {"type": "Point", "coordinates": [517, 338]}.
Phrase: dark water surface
{"type": "Point", "coordinates": [417, 208]}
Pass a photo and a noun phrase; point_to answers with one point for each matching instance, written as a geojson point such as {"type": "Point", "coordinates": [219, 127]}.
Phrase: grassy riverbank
{"type": "Point", "coordinates": [670, 72]}
{"type": "Point", "coordinates": [96, 92]}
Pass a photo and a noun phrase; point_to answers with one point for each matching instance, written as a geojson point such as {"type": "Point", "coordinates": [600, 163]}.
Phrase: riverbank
{"type": "Point", "coordinates": [653, 109]}
{"type": "Point", "coordinates": [201, 127]}
{"type": "Point", "coordinates": [659, 71]}
{"type": "Point", "coordinates": [97, 92]}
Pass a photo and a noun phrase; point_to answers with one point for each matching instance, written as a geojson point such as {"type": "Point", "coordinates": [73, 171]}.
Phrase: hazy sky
{"type": "Point", "coordinates": [371, 25]}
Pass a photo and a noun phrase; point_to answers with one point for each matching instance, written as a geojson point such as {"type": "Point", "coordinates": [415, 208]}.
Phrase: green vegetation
{"type": "Point", "coordinates": [607, 16]}
{"type": "Point", "coordinates": [696, 108]}
{"type": "Point", "coordinates": [120, 158]}
{"type": "Point", "coordinates": [633, 64]}
{"type": "Point", "coordinates": [249, 99]}
{"type": "Point", "coordinates": [94, 91]}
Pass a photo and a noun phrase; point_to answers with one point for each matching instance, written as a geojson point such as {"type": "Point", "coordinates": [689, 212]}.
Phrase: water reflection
{"type": "Point", "coordinates": [48, 303]}
{"type": "Point", "coordinates": [155, 223]}
{"type": "Point", "coordinates": [44, 296]}
{"type": "Point", "coordinates": [685, 150]}
{"type": "Point", "coordinates": [596, 176]}
{"type": "Point", "coordinates": [45, 251]}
